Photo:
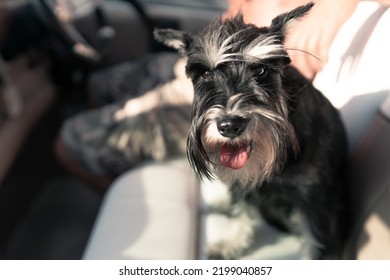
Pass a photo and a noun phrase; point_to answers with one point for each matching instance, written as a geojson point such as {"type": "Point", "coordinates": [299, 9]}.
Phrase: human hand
{"type": "Point", "coordinates": [309, 39]}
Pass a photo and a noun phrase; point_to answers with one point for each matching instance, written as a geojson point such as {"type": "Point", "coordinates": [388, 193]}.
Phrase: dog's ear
{"type": "Point", "coordinates": [280, 23]}
{"type": "Point", "coordinates": [176, 39]}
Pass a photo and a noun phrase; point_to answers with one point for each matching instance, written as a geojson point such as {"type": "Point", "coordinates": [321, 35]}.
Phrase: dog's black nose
{"type": "Point", "coordinates": [231, 126]}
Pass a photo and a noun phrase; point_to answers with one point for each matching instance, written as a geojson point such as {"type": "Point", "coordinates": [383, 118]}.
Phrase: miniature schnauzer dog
{"type": "Point", "coordinates": [259, 126]}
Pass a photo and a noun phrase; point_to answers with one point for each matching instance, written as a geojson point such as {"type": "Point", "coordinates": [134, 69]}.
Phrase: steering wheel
{"type": "Point", "coordinates": [60, 16]}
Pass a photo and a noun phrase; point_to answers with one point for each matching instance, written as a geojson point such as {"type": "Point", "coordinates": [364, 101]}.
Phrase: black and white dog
{"type": "Point", "coordinates": [265, 131]}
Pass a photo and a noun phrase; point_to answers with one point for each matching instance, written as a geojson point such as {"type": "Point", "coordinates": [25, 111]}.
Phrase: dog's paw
{"type": "Point", "coordinates": [215, 256]}
{"type": "Point", "coordinates": [222, 251]}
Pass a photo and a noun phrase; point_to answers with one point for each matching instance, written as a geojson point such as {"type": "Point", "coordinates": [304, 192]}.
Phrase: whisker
{"type": "Point", "coordinates": [305, 52]}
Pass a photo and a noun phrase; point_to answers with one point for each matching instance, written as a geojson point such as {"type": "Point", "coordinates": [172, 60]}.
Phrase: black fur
{"type": "Point", "coordinates": [293, 136]}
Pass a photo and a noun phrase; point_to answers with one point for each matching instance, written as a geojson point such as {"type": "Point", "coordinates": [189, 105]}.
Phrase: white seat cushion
{"type": "Point", "coordinates": [148, 213]}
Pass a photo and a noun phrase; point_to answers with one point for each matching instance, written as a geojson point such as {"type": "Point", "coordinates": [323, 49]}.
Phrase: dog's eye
{"type": "Point", "coordinates": [261, 71]}
{"type": "Point", "coordinates": [207, 75]}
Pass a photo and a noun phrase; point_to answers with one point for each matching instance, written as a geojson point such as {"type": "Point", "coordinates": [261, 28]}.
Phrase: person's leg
{"type": "Point", "coordinates": [131, 79]}
{"type": "Point", "coordinates": [78, 145]}
{"type": "Point", "coordinates": [84, 144]}
{"type": "Point", "coordinates": [97, 147]}
{"type": "Point", "coordinates": [98, 182]}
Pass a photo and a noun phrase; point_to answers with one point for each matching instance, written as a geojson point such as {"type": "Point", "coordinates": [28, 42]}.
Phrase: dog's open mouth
{"type": "Point", "coordinates": [234, 156]}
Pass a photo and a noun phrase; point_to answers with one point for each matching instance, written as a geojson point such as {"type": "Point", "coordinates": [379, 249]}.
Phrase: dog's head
{"type": "Point", "coordinates": [240, 129]}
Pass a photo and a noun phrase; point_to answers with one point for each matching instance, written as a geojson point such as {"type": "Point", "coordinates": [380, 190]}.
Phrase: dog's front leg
{"type": "Point", "coordinates": [236, 231]}
{"type": "Point", "coordinates": [311, 244]}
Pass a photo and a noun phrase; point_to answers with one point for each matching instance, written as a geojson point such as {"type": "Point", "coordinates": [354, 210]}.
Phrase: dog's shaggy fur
{"type": "Point", "coordinates": [265, 131]}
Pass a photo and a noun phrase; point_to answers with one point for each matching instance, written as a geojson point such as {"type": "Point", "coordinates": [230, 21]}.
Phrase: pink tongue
{"type": "Point", "coordinates": [233, 157]}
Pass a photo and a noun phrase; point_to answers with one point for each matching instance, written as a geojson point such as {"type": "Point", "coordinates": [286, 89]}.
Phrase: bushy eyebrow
{"type": "Point", "coordinates": [218, 49]}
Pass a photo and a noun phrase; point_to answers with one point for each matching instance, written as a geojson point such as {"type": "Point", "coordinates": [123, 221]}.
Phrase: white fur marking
{"type": "Point", "coordinates": [310, 245]}
{"type": "Point", "coordinates": [263, 47]}
{"type": "Point", "coordinates": [236, 234]}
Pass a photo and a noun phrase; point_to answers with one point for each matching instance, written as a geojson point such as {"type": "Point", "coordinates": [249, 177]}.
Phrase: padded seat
{"type": "Point", "coordinates": [148, 213]}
